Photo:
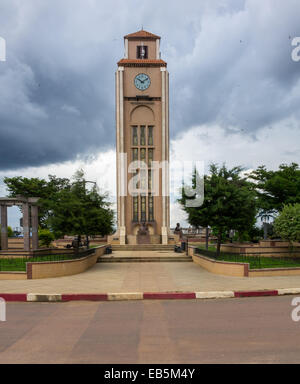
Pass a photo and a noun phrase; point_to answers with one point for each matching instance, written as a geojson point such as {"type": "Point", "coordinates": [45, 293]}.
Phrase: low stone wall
{"type": "Point", "coordinates": [269, 272]}
{"type": "Point", "coordinates": [62, 243]}
{"type": "Point", "coordinates": [238, 269]}
{"type": "Point", "coordinates": [49, 269]}
{"type": "Point", "coordinates": [222, 267]}
{"type": "Point", "coordinates": [264, 248]}
{"type": "Point", "coordinates": [13, 276]}
{"type": "Point", "coordinates": [44, 270]}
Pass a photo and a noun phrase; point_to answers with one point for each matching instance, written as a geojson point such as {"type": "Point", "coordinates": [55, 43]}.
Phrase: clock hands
{"type": "Point", "coordinates": [143, 84]}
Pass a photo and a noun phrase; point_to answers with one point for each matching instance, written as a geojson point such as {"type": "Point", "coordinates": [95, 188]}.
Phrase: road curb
{"type": "Point", "coordinates": [17, 297]}
{"type": "Point", "coordinates": [169, 295]}
{"type": "Point", "coordinates": [58, 297]}
{"type": "Point", "coordinates": [84, 297]}
{"type": "Point", "coordinates": [214, 295]}
{"type": "Point", "coordinates": [256, 293]}
{"type": "Point", "coordinates": [42, 298]}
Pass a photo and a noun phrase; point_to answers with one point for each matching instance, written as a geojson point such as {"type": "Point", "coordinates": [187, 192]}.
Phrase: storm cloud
{"type": "Point", "coordinates": [229, 61]}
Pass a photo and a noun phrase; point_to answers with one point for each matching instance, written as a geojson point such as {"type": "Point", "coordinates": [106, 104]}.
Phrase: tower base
{"type": "Point", "coordinates": [167, 238]}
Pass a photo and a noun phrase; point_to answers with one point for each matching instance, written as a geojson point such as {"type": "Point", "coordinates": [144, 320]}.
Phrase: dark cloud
{"type": "Point", "coordinates": [230, 64]}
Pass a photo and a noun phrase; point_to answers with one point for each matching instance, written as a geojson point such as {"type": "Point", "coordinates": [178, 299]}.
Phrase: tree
{"type": "Point", "coordinates": [287, 224]}
{"type": "Point", "coordinates": [229, 202]}
{"type": "Point", "coordinates": [196, 217]}
{"type": "Point", "coordinates": [35, 187]}
{"type": "Point", "coordinates": [66, 207]}
{"type": "Point", "coordinates": [77, 211]}
{"type": "Point", "coordinates": [253, 234]}
{"type": "Point", "coordinates": [276, 188]}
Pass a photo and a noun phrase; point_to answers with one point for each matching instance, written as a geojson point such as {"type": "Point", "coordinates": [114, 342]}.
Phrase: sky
{"type": "Point", "coordinates": [234, 88]}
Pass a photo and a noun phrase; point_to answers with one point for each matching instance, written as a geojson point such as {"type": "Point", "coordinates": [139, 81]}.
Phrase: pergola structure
{"type": "Point", "coordinates": [29, 209]}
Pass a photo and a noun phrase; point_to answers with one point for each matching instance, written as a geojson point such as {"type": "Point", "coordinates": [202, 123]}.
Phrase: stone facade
{"type": "Point", "coordinates": [142, 125]}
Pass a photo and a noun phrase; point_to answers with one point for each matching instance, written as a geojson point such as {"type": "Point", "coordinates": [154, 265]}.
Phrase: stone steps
{"type": "Point", "coordinates": [145, 259]}
{"type": "Point", "coordinates": [144, 255]}
{"type": "Point", "coordinates": [143, 247]}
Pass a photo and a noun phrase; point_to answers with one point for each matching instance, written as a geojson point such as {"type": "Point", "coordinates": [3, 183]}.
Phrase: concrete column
{"type": "Point", "coordinates": [121, 82]}
{"type": "Point", "coordinates": [167, 154]}
{"type": "Point", "coordinates": [35, 227]}
{"type": "Point", "coordinates": [4, 239]}
{"type": "Point", "coordinates": [164, 230]}
{"type": "Point", "coordinates": [121, 165]}
{"type": "Point", "coordinates": [26, 228]}
{"type": "Point", "coordinates": [118, 148]}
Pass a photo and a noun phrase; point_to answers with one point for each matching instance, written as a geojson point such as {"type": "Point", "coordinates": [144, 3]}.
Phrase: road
{"type": "Point", "coordinates": [250, 330]}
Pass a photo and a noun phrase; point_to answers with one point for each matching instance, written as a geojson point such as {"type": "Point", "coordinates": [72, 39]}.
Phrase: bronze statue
{"type": "Point", "coordinates": [178, 230]}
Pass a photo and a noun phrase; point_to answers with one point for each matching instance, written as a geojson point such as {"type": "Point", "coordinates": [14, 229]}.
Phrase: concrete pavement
{"type": "Point", "coordinates": [256, 330]}
{"type": "Point", "coordinates": [146, 277]}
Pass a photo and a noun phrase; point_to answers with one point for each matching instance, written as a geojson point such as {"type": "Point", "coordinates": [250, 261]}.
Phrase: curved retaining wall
{"type": "Point", "coordinates": [222, 267]}
{"type": "Point", "coordinates": [49, 269]}
{"type": "Point", "coordinates": [274, 272]}
{"type": "Point", "coordinates": [13, 276]}
{"type": "Point", "coordinates": [238, 269]}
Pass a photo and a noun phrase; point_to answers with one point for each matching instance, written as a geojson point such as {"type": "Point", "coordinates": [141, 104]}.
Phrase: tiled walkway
{"type": "Point", "coordinates": [146, 277]}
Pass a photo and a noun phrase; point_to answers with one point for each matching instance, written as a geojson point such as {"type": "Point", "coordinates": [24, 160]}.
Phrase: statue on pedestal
{"type": "Point", "coordinates": [178, 230]}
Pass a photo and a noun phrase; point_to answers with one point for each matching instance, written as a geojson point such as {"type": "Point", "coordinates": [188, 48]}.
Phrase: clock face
{"type": "Point", "coordinates": [142, 82]}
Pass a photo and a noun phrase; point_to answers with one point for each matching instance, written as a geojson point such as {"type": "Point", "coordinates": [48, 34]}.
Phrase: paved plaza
{"type": "Point", "coordinates": [253, 330]}
{"type": "Point", "coordinates": [146, 277]}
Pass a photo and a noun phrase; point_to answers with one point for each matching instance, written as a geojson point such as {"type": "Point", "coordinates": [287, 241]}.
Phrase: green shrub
{"type": "Point", "coordinates": [46, 237]}
{"type": "Point", "coordinates": [10, 232]}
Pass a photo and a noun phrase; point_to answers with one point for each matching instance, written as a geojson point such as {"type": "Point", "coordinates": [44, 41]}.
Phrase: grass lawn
{"type": "Point", "coordinates": [263, 262]}
{"type": "Point", "coordinates": [256, 262]}
{"type": "Point", "coordinates": [19, 265]}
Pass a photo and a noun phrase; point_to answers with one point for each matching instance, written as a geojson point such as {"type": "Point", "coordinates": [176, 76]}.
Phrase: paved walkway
{"type": "Point", "coordinates": [146, 277]}
{"type": "Point", "coordinates": [256, 330]}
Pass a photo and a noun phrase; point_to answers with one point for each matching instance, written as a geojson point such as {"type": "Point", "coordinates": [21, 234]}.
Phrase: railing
{"type": "Point", "coordinates": [18, 264]}
{"type": "Point", "coordinates": [256, 262]}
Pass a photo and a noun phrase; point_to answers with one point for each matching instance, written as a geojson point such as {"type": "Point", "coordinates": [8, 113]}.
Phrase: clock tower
{"type": "Point", "coordinates": [142, 142]}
